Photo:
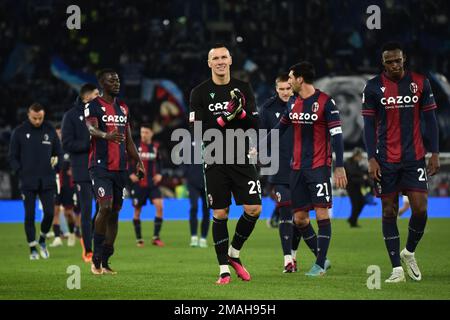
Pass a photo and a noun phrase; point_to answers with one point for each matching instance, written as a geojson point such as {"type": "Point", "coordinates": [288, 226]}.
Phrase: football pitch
{"type": "Point", "coordinates": [177, 271]}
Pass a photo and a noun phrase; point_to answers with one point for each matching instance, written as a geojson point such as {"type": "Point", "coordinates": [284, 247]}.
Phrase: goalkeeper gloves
{"type": "Point", "coordinates": [234, 108]}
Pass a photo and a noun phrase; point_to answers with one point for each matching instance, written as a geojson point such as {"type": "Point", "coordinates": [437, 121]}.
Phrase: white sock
{"type": "Point", "coordinates": [224, 269]}
{"type": "Point", "coordinates": [233, 253]}
{"type": "Point", "coordinates": [287, 259]}
{"type": "Point", "coordinates": [398, 268]}
{"type": "Point", "coordinates": [294, 254]}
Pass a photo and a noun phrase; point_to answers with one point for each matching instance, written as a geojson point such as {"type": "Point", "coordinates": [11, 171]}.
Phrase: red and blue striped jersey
{"type": "Point", "coordinates": [397, 107]}
{"type": "Point", "coordinates": [149, 154]}
{"type": "Point", "coordinates": [313, 121]}
{"type": "Point", "coordinates": [108, 117]}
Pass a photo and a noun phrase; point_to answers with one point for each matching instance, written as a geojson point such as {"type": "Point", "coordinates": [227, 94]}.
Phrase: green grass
{"type": "Point", "coordinates": [180, 272]}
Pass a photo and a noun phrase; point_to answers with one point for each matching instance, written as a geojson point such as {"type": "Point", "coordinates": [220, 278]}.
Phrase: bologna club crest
{"type": "Point", "coordinates": [413, 87]}
{"type": "Point", "coordinates": [315, 107]}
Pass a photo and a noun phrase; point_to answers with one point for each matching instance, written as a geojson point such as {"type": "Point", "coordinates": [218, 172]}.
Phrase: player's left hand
{"type": "Point", "coordinates": [140, 170]}
{"type": "Point", "coordinates": [340, 178]}
{"type": "Point", "coordinates": [54, 161]}
{"type": "Point", "coordinates": [157, 178]}
{"type": "Point", "coordinates": [433, 164]}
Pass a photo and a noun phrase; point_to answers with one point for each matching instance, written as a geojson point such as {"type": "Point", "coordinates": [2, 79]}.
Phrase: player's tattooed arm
{"type": "Point", "coordinates": [95, 132]}
{"type": "Point", "coordinates": [134, 154]}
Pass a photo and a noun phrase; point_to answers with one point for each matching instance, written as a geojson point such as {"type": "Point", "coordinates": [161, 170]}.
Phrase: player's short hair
{"type": "Point", "coordinates": [217, 46]}
{"type": "Point", "coordinates": [283, 77]}
{"type": "Point", "coordinates": [305, 70]}
{"type": "Point", "coordinates": [103, 72]}
{"type": "Point", "coordinates": [86, 88]}
{"type": "Point", "coordinates": [390, 46]}
{"type": "Point", "coordinates": [36, 107]}
{"type": "Point", "coordinates": [147, 126]}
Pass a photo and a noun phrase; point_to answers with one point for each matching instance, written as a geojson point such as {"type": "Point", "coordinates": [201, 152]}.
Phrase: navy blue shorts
{"type": "Point", "coordinates": [65, 197]}
{"type": "Point", "coordinates": [109, 185]}
{"type": "Point", "coordinates": [140, 195]}
{"type": "Point", "coordinates": [311, 188]}
{"type": "Point", "coordinates": [402, 177]}
{"type": "Point", "coordinates": [282, 195]}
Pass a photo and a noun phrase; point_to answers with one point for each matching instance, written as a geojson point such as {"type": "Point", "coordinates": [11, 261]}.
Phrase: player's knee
{"type": "Point", "coordinates": [389, 211]}
{"type": "Point", "coordinates": [421, 211]}
{"type": "Point", "coordinates": [301, 220]}
{"type": "Point", "coordinates": [221, 214]}
{"type": "Point", "coordinates": [253, 210]}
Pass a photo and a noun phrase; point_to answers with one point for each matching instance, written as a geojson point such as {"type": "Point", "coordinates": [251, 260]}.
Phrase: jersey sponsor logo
{"type": "Point", "coordinates": [399, 100]}
{"type": "Point", "coordinates": [114, 118]}
{"type": "Point", "coordinates": [315, 107]}
{"type": "Point", "coordinates": [147, 155]}
{"type": "Point", "coordinates": [219, 106]}
{"type": "Point", "coordinates": [303, 116]}
{"type": "Point", "coordinates": [413, 87]}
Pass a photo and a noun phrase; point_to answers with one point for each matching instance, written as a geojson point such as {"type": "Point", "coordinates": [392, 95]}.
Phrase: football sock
{"type": "Point", "coordinates": [224, 270]}
{"type": "Point", "coordinates": [108, 251]}
{"type": "Point", "coordinates": [42, 238]}
{"type": "Point", "coordinates": [99, 239]}
{"type": "Point", "coordinates": [323, 241]}
{"type": "Point", "coordinates": [57, 230]}
{"type": "Point", "coordinates": [220, 238]}
{"type": "Point", "coordinates": [137, 228]}
{"type": "Point", "coordinates": [310, 238]}
{"type": "Point", "coordinates": [157, 226]}
{"type": "Point", "coordinates": [288, 259]}
{"type": "Point", "coordinates": [285, 229]}
{"type": "Point", "coordinates": [392, 240]}
{"type": "Point", "coordinates": [71, 227]}
{"type": "Point", "coordinates": [296, 237]}
{"type": "Point", "coordinates": [233, 253]}
{"type": "Point", "coordinates": [244, 228]}
{"type": "Point", "coordinates": [415, 231]}
{"type": "Point", "coordinates": [193, 222]}
{"type": "Point", "coordinates": [205, 223]}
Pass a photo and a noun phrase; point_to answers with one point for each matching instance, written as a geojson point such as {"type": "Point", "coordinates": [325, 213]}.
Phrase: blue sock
{"type": "Point", "coordinates": [98, 244]}
{"type": "Point", "coordinates": [310, 238]}
{"type": "Point", "coordinates": [285, 229]}
{"type": "Point", "coordinates": [392, 240]}
{"type": "Point", "coordinates": [323, 241]}
{"type": "Point", "coordinates": [415, 231]}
